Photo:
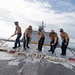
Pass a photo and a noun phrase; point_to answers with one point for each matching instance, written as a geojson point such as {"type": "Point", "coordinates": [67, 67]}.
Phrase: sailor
{"type": "Point", "coordinates": [18, 33]}
{"type": "Point", "coordinates": [41, 38]}
{"type": "Point", "coordinates": [53, 41]}
{"type": "Point", "coordinates": [27, 36]}
{"type": "Point", "coordinates": [65, 41]}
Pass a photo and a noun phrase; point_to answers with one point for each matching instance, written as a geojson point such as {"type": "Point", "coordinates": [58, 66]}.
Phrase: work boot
{"type": "Point", "coordinates": [14, 47]}
{"type": "Point", "coordinates": [62, 54]}
{"type": "Point", "coordinates": [49, 50]}
{"type": "Point", "coordinates": [28, 47]}
{"type": "Point", "coordinates": [52, 52]}
{"type": "Point", "coordinates": [24, 48]}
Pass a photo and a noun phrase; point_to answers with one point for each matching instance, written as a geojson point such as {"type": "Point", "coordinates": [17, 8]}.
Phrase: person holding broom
{"type": "Point", "coordinates": [65, 41]}
{"type": "Point", "coordinates": [41, 38]}
{"type": "Point", "coordinates": [26, 37]}
{"type": "Point", "coordinates": [53, 41]}
{"type": "Point", "coordinates": [18, 33]}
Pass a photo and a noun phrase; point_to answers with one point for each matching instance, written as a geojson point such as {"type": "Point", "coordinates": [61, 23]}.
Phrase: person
{"type": "Point", "coordinates": [65, 41]}
{"type": "Point", "coordinates": [18, 33]}
{"type": "Point", "coordinates": [27, 36]}
{"type": "Point", "coordinates": [41, 38]}
{"type": "Point", "coordinates": [53, 41]}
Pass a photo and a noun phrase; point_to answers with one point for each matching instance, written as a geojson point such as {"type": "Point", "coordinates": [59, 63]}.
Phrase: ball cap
{"type": "Point", "coordinates": [52, 30]}
{"type": "Point", "coordinates": [16, 23]}
{"type": "Point", "coordinates": [61, 30]}
{"type": "Point", "coordinates": [30, 26]}
{"type": "Point", "coordinates": [40, 28]}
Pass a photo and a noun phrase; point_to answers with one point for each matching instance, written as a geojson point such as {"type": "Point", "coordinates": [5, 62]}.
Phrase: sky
{"type": "Point", "coordinates": [56, 14]}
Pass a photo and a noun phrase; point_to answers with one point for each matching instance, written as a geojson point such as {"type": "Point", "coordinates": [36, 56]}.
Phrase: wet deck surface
{"type": "Point", "coordinates": [10, 65]}
{"type": "Point", "coordinates": [41, 67]}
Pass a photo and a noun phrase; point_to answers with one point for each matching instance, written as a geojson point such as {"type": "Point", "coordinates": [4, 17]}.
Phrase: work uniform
{"type": "Point", "coordinates": [65, 41]}
{"type": "Point", "coordinates": [53, 41]}
{"type": "Point", "coordinates": [41, 38]}
{"type": "Point", "coordinates": [27, 35]}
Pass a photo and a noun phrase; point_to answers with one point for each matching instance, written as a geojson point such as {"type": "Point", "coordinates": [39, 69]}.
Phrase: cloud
{"type": "Point", "coordinates": [56, 14]}
{"type": "Point", "coordinates": [5, 30]}
{"type": "Point", "coordinates": [66, 6]}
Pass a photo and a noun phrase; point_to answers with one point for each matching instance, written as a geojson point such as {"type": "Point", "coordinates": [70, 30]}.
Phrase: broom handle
{"type": "Point", "coordinates": [5, 41]}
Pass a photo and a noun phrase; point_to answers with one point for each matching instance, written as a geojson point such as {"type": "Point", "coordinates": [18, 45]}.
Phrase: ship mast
{"type": "Point", "coordinates": [42, 26]}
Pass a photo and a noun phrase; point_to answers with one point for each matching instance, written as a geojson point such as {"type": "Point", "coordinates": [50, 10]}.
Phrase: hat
{"type": "Point", "coordinates": [16, 23]}
{"type": "Point", "coordinates": [30, 26]}
{"type": "Point", "coordinates": [52, 30]}
{"type": "Point", "coordinates": [61, 30]}
{"type": "Point", "coordinates": [40, 28]}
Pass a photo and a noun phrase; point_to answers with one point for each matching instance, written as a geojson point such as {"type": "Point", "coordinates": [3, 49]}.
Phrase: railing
{"type": "Point", "coordinates": [71, 51]}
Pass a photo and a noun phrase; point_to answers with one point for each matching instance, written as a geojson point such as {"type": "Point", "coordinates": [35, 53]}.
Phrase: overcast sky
{"type": "Point", "coordinates": [56, 14]}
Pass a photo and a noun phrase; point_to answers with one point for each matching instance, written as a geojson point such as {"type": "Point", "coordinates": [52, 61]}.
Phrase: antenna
{"type": "Point", "coordinates": [42, 26]}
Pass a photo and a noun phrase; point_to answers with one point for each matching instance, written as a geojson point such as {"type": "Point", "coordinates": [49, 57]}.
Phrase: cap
{"type": "Point", "coordinates": [16, 23]}
{"type": "Point", "coordinates": [52, 30]}
{"type": "Point", "coordinates": [40, 28]}
{"type": "Point", "coordinates": [61, 30]}
{"type": "Point", "coordinates": [30, 26]}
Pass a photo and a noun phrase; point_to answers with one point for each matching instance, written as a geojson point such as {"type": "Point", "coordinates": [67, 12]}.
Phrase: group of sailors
{"type": "Point", "coordinates": [41, 37]}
